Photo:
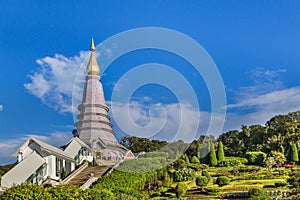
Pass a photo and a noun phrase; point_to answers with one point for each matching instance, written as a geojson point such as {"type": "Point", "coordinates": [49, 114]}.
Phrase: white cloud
{"type": "Point", "coordinates": [54, 79]}
{"type": "Point", "coordinates": [258, 103]}
{"type": "Point", "coordinates": [9, 146]}
{"type": "Point", "coordinates": [170, 122]}
{"type": "Point", "coordinates": [1, 107]}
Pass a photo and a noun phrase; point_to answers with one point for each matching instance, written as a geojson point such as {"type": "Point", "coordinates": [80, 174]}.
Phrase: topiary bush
{"type": "Point", "coordinates": [201, 181]}
{"type": "Point", "coordinates": [205, 173]}
{"type": "Point", "coordinates": [181, 189]}
{"type": "Point", "coordinates": [254, 192]}
{"type": "Point", "coordinates": [222, 180]}
{"type": "Point", "coordinates": [195, 160]}
{"type": "Point", "coordinates": [185, 174]}
{"type": "Point", "coordinates": [256, 158]}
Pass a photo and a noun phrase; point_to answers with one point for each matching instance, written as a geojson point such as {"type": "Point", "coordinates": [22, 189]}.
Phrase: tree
{"type": "Point", "coordinates": [201, 181]}
{"type": "Point", "coordinates": [195, 160]}
{"type": "Point", "coordinates": [212, 157]}
{"type": "Point", "coordinates": [293, 153]}
{"type": "Point", "coordinates": [221, 156]}
{"type": "Point", "coordinates": [186, 158]}
{"type": "Point", "coordinates": [198, 151]}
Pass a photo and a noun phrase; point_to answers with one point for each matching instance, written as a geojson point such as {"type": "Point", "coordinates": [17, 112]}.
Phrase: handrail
{"type": "Point", "coordinates": [75, 172]}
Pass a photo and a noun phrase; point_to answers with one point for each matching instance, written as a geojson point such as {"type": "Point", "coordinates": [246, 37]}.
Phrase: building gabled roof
{"type": "Point", "coordinates": [74, 145]}
{"type": "Point", "coordinates": [46, 148]}
{"type": "Point", "coordinates": [23, 170]}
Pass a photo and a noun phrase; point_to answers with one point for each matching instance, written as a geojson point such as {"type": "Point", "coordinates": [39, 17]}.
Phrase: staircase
{"type": "Point", "coordinates": [87, 173]}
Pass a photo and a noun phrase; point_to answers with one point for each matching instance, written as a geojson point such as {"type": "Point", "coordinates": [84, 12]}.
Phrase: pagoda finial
{"type": "Point", "coordinates": [92, 46]}
{"type": "Point", "coordinates": [93, 68]}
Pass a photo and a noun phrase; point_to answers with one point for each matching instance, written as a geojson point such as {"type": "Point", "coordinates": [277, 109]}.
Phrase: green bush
{"type": "Point", "coordinates": [195, 160]}
{"type": "Point", "coordinates": [254, 192]}
{"type": "Point", "coordinates": [233, 161]}
{"type": "Point", "coordinates": [185, 174]}
{"type": "Point", "coordinates": [181, 189]}
{"type": "Point", "coordinates": [154, 155]}
{"type": "Point", "coordinates": [222, 180]}
{"type": "Point", "coordinates": [198, 166]}
{"type": "Point", "coordinates": [101, 194]}
{"type": "Point", "coordinates": [256, 158]}
{"type": "Point", "coordinates": [201, 181]}
{"type": "Point", "coordinates": [213, 190]}
{"type": "Point", "coordinates": [280, 184]}
{"type": "Point", "coordinates": [205, 173]}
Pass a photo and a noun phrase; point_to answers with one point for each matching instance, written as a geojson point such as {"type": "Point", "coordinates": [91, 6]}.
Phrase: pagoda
{"type": "Point", "coordinates": [93, 126]}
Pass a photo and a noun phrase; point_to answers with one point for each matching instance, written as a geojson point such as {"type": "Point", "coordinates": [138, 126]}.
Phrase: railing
{"type": "Point", "coordinates": [74, 173]}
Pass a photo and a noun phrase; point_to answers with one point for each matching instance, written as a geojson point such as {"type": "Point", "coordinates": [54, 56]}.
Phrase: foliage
{"type": "Point", "coordinates": [195, 160]}
{"type": "Point", "coordinates": [275, 158]}
{"type": "Point", "coordinates": [29, 191]}
{"type": "Point", "coordinates": [256, 158]}
{"type": "Point", "coordinates": [101, 194]}
{"type": "Point", "coordinates": [253, 192]}
{"type": "Point", "coordinates": [222, 180]}
{"type": "Point", "coordinates": [233, 161]}
{"type": "Point", "coordinates": [63, 174]}
{"type": "Point", "coordinates": [136, 144]}
{"type": "Point", "coordinates": [292, 153]}
{"type": "Point", "coordinates": [185, 174]}
{"type": "Point", "coordinates": [220, 154]}
{"type": "Point", "coordinates": [198, 166]}
{"type": "Point", "coordinates": [212, 157]}
{"type": "Point", "coordinates": [181, 189]}
{"type": "Point", "coordinates": [154, 155]}
{"type": "Point", "coordinates": [201, 181]}
{"type": "Point", "coordinates": [186, 158]}
{"type": "Point", "coordinates": [213, 190]}
{"type": "Point", "coordinates": [198, 151]}
{"type": "Point", "coordinates": [294, 182]}
{"type": "Point", "coordinates": [206, 174]}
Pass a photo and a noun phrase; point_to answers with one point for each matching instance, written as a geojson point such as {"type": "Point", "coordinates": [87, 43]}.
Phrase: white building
{"type": "Point", "coordinates": [38, 161]}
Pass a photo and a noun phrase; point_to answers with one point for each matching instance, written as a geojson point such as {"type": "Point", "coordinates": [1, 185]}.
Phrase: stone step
{"type": "Point", "coordinates": [83, 176]}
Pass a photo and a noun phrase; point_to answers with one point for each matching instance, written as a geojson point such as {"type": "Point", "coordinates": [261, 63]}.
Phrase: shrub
{"type": "Point", "coordinates": [205, 173]}
{"type": "Point", "coordinates": [253, 192]}
{"type": "Point", "coordinates": [101, 194]}
{"type": "Point", "coordinates": [280, 184]}
{"type": "Point", "coordinates": [198, 166]}
{"type": "Point", "coordinates": [181, 189]}
{"type": "Point", "coordinates": [195, 160]}
{"type": "Point", "coordinates": [213, 190]}
{"type": "Point", "coordinates": [233, 161]}
{"type": "Point", "coordinates": [154, 155]}
{"type": "Point", "coordinates": [185, 174]}
{"type": "Point", "coordinates": [256, 158]}
{"type": "Point", "coordinates": [201, 181]}
{"type": "Point", "coordinates": [221, 156]}
{"type": "Point", "coordinates": [212, 157]}
{"type": "Point", "coordinates": [222, 180]}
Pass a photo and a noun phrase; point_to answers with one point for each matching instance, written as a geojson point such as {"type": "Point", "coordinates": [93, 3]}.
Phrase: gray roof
{"type": "Point", "coordinates": [23, 170]}
{"type": "Point", "coordinates": [74, 145]}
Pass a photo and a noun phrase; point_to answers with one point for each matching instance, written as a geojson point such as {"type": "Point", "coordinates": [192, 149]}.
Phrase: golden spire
{"type": "Point", "coordinates": [92, 46]}
{"type": "Point", "coordinates": [92, 68]}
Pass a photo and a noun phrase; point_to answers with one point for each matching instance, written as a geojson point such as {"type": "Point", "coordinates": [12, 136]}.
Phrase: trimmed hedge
{"type": "Point", "coordinates": [256, 158]}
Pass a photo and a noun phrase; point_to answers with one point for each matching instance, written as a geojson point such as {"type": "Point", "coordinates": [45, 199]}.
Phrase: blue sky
{"type": "Point", "coordinates": [254, 44]}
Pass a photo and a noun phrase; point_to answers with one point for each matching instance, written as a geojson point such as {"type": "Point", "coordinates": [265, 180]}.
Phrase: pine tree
{"type": "Point", "coordinates": [186, 158]}
{"type": "Point", "coordinates": [212, 157]}
{"type": "Point", "coordinates": [221, 156]}
{"type": "Point", "coordinates": [198, 151]}
{"type": "Point", "coordinates": [294, 153]}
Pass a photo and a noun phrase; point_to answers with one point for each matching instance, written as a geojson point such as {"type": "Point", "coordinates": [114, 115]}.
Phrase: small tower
{"type": "Point", "coordinates": [93, 126]}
